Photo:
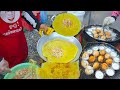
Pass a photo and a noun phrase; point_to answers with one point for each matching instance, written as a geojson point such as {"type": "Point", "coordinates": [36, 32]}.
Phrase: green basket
{"type": "Point", "coordinates": [16, 68]}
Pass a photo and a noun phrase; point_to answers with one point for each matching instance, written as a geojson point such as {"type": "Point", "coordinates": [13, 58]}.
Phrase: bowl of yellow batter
{"type": "Point", "coordinates": [57, 48]}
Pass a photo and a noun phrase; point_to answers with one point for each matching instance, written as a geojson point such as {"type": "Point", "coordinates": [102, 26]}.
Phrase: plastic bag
{"type": "Point", "coordinates": [4, 67]}
{"type": "Point", "coordinates": [43, 16]}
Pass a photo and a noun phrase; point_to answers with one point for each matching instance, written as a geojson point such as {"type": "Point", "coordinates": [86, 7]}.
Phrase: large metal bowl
{"type": "Point", "coordinates": [54, 35]}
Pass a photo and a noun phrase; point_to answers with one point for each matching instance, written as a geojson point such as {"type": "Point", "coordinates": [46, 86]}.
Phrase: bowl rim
{"type": "Point", "coordinates": [18, 65]}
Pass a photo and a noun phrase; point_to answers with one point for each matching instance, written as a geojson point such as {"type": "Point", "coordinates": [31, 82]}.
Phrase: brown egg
{"type": "Point", "coordinates": [96, 65]}
{"type": "Point", "coordinates": [102, 52]}
{"type": "Point", "coordinates": [103, 37]}
{"type": "Point", "coordinates": [98, 30]}
{"type": "Point", "coordinates": [107, 33]}
{"type": "Point", "coordinates": [108, 36]}
{"type": "Point", "coordinates": [96, 53]}
{"type": "Point", "coordinates": [85, 54]}
{"type": "Point", "coordinates": [96, 35]}
{"type": "Point", "coordinates": [107, 56]}
{"type": "Point", "coordinates": [94, 32]}
{"type": "Point", "coordinates": [109, 61]}
{"type": "Point", "coordinates": [101, 33]}
{"type": "Point", "coordinates": [84, 63]}
{"type": "Point", "coordinates": [100, 58]}
{"type": "Point", "coordinates": [91, 59]}
{"type": "Point", "coordinates": [104, 66]}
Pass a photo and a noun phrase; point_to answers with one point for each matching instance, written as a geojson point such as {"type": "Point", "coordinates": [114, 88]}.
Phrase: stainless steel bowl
{"type": "Point", "coordinates": [54, 35]}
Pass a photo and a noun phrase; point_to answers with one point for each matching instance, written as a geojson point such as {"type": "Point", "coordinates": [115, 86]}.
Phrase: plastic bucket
{"type": "Point", "coordinates": [79, 14]}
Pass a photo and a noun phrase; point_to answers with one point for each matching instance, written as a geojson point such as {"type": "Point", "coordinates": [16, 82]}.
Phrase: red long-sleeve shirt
{"type": "Point", "coordinates": [13, 45]}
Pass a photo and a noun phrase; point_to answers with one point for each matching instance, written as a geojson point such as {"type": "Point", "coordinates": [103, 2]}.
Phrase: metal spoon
{"type": "Point", "coordinates": [103, 26]}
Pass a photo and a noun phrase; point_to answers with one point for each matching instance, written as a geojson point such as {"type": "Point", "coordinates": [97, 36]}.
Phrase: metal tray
{"type": "Point", "coordinates": [88, 45]}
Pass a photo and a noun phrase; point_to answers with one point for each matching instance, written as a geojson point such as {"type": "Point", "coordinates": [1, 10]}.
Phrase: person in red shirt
{"type": "Point", "coordinates": [13, 45]}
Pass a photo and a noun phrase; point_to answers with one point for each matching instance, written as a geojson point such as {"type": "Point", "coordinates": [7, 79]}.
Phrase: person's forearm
{"type": "Point", "coordinates": [31, 19]}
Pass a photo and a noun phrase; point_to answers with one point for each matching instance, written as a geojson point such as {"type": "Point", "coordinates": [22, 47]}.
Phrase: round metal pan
{"type": "Point", "coordinates": [54, 35]}
{"type": "Point", "coordinates": [88, 45]}
{"type": "Point", "coordinates": [91, 39]}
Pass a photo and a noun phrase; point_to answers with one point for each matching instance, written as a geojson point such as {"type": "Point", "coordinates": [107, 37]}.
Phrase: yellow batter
{"type": "Point", "coordinates": [59, 71]}
{"type": "Point", "coordinates": [67, 24]}
{"type": "Point", "coordinates": [59, 51]}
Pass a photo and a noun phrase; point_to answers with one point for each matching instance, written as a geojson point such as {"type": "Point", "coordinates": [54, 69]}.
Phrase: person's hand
{"type": "Point", "coordinates": [4, 66]}
{"type": "Point", "coordinates": [108, 20]}
{"type": "Point", "coordinates": [46, 30]}
{"type": "Point", "coordinates": [43, 27]}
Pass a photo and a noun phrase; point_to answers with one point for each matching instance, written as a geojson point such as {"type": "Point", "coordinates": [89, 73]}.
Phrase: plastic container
{"type": "Point", "coordinates": [79, 14]}
{"type": "Point", "coordinates": [43, 16]}
{"type": "Point", "coordinates": [16, 68]}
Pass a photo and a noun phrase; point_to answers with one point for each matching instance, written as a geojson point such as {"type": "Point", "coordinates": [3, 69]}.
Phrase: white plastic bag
{"type": "Point", "coordinates": [4, 67]}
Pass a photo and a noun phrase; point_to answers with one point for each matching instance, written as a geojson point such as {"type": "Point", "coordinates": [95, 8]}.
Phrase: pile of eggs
{"type": "Point", "coordinates": [100, 60]}
{"type": "Point", "coordinates": [97, 33]}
